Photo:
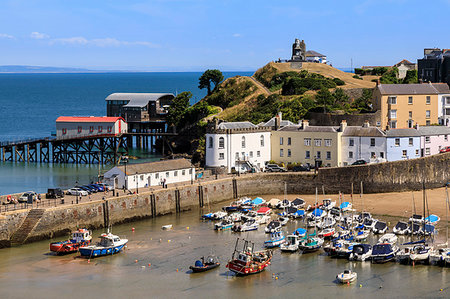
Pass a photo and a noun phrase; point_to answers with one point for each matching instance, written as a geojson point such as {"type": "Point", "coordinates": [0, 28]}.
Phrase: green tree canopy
{"type": "Point", "coordinates": [324, 98]}
{"type": "Point", "coordinates": [178, 108]}
{"type": "Point", "coordinates": [208, 77]}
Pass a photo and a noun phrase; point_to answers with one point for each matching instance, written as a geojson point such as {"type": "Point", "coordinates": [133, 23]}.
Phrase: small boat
{"type": "Point", "coordinates": [414, 228]}
{"type": "Point", "coordinates": [273, 226]}
{"type": "Point", "coordinates": [369, 224]}
{"type": "Point", "coordinates": [363, 216]}
{"type": "Point", "coordinates": [236, 216]}
{"type": "Point", "coordinates": [301, 232]}
{"type": "Point", "coordinates": [300, 213]}
{"type": "Point", "coordinates": [380, 227]}
{"type": "Point", "coordinates": [420, 253]}
{"type": "Point", "coordinates": [345, 206]}
{"type": "Point", "coordinates": [348, 276]}
{"type": "Point", "coordinates": [361, 252]}
{"type": "Point", "coordinates": [219, 215]}
{"type": "Point", "coordinates": [283, 220]}
{"type": "Point", "coordinates": [299, 203]}
{"type": "Point", "coordinates": [109, 244]}
{"type": "Point", "coordinates": [416, 218]}
{"type": "Point", "coordinates": [284, 204]}
{"type": "Point", "coordinates": [335, 212]}
{"type": "Point", "coordinates": [344, 248]}
{"type": "Point", "coordinates": [383, 253]}
{"type": "Point", "coordinates": [167, 227]}
{"type": "Point", "coordinates": [247, 261]}
{"type": "Point", "coordinates": [432, 219]}
{"type": "Point", "coordinates": [273, 203]}
{"type": "Point", "coordinates": [328, 204]}
{"type": "Point", "coordinates": [327, 232]}
{"type": "Point", "coordinates": [80, 237]}
{"type": "Point", "coordinates": [361, 234]}
{"type": "Point", "coordinates": [257, 201]}
{"type": "Point", "coordinates": [276, 239]}
{"type": "Point", "coordinates": [225, 224]}
{"type": "Point", "coordinates": [246, 226]}
{"type": "Point", "coordinates": [439, 256]}
{"type": "Point", "coordinates": [208, 216]}
{"type": "Point", "coordinates": [327, 222]}
{"type": "Point", "coordinates": [401, 228]}
{"type": "Point", "coordinates": [250, 215]}
{"type": "Point", "coordinates": [231, 208]}
{"type": "Point", "coordinates": [262, 219]}
{"type": "Point", "coordinates": [427, 229]}
{"type": "Point", "coordinates": [388, 238]}
{"type": "Point", "coordinates": [201, 265]}
{"type": "Point", "coordinates": [264, 211]}
{"type": "Point", "coordinates": [310, 243]}
{"type": "Point", "coordinates": [403, 254]}
{"type": "Point", "coordinates": [291, 243]}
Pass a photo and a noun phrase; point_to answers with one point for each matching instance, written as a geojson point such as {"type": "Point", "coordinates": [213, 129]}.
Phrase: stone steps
{"type": "Point", "coordinates": [21, 235]}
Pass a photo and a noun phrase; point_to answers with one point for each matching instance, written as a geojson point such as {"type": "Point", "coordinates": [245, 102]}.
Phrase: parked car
{"type": "Point", "coordinates": [87, 189]}
{"type": "Point", "coordinates": [301, 168]}
{"type": "Point", "coordinates": [274, 168]}
{"type": "Point", "coordinates": [106, 186]}
{"type": "Point", "coordinates": [359, 162]}
{"type": "Point", "coordinates": [445, 149]}
{"type": "Point", "coordinates": [98, 187]}
{"type": "Point", "coordinates": [77, 191]}
{"type": "Point", "coordinates": [54, 193]}
{"type": "Point", "coordinates": [27, 196]}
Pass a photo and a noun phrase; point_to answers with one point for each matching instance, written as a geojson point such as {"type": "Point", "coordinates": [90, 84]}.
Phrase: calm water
{"type": "Point", "coordinates": [30, 271]}
{"type": "Point", "coordinates": [30, 104]}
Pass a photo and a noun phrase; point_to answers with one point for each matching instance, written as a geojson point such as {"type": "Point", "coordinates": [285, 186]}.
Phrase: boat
{"type": "Point", "coordinates": [264, 211]}
{"type": "Point", "coordinates": [262, 219]}
{"type": "Point", "coordinates": [327, 232]}
{"type": "Point", "coordinates": [345, 206]}
{"type": "Point", "coordinates": [203, 265]}
{"type": "Point", "coordinates": [299, 214]}
{"type": "Point", "coordinates": [273, 203]}
{"type": "Point", "coordinates": [273, 226]}
{"type": "Point", "coordinates": [236, 216]}
{"type": "Point", "coordinates": [427, 230]}
{"type": "Point", "coordinates": [363, 216]}
{"type": "Point", "coordinates": [208, 216]}
{"type": "Point", "coordinates": [348, 276]}
{"type": "Point", "coordinates": [403, 254]}
{"type": "Point", "coordinates": [344, 248]}
{"type": "Point", "coordinates": [301, 232]}
{"type": "Point", "coordinates": [299, 203]}
{"type": "Point", "coordinates": [109, 244]}
{"type": "Point", "coordinates": [247, 261]}
{"type": "Point", "coordinates": [257, 201]}
{"type": "Point", "coordinates": [440, 256]}
{"type": "Point", "coordinates": [328, 204]}
{"type": "Point", "coordinates": [167, 227]}
{"type": "Point", "coordinates": [369, 223]}
{"type": "Point", "coordinates": [414, 228]}
{"type": "Point", "coordinates": [225, 224]}
{"type": "Point", "coordinates": [291, 243]}
{"type": "Point", "coordinates": [219, 215]}
{"type": "Point", "coordinates": [416, 218]}
{"type": "Point", "coordinates": [283, 204]}
{"type": "Point", "coordinates": [276, 239]}
{"type": "Point", "coordinates": [361, 233]}
{"type": "Point", "coordinates": [388, 238]}
{"type": "Point", "coordinates": [420, 253]}
{"type": "Point", "coordinates": [310, 243]}
{"type": "Point", "coordinates": [283, 220]}
{"type": "Point", "coordinates": [250, 215]}
{"type": "Point", "coordinates": [231, 208]}
{"type": "Point", "coordinates": [432, 219]}
{"type": "Point", "coordinates": [246, 226]}
{"type": "Point", "coordinates": [80, 237]}
{"type": "Point", "coordinates": [327, 222]}
{"type": "Point", "coordinates": [380, 227]}
{"type": "Point", "coordinates": [401, 228]}
{"type": "Point", "coordinates": [383, 253]}
{"type": "Point", "coordinates": [361, 252]}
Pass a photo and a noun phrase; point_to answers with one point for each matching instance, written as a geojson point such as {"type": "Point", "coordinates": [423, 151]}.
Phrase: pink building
{"type": "Point", "coordinates": [81, 126]}
{"type": "Point", "coordinates": [433, 138]}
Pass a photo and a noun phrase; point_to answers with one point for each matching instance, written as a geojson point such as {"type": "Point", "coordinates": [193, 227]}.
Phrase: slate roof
{"type": "Point", "coordinates": [236, 125]}
{"type": "Point", "coordinates": [434, 130]}
{"type": "Point", "coordinates": [158, 166]}
{"type": "Point", "coordinates": [363, 132]}
{"type": "Point", "coordinates": [441, 87]}
{"type": "Point", "coordinates": [406, 89]}
{"type": "Point", "coordinates": [312, 53]}
{"type": "Point", "coordinates": [402, 133]}
{"type": "Point", "coordinates": [271, 123]}
{"type": "Point", "coordinates": [298, 128]}
{"type": "Point", "coordinates": [137, 99]}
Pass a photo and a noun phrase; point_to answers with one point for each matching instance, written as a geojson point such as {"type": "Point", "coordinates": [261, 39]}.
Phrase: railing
{"type": "Point", "coordinates": [25, 141]}
{"type": "Point", "coordinates": [35, 205]}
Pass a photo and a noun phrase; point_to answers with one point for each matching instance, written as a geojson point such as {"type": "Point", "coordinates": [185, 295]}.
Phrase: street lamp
{"type": "Point", "coordinates": [137, 188]}
{"type": "Point", "coordinates": [76, 193]}
{"type": "Point", "coordinates": [125, 160]}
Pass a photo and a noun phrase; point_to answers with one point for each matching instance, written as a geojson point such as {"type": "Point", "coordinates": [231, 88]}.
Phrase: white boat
{"type": "Point", "coordinates": [251, 215]}
{"type": "Point", "coordinates": [262, 219]}
{"type": "Point", "coordinates": [416, 218]}
{"type": "Point", "coordinates": [403, 254]}
{"type": "Point", "coordinates": [299, 203]}
{"type": "Point", "coordinates": [167, 227]}
{"type": "Point", "coordinates": [380, 227]}
{"type": "Point", "coordinates": [109, 244]}
{"type": "Point", "coordinates": [291, 243]}
{"type": "Point", "coordinates": [369, 223]}
{"type": "Point", "coordinates": [236, 216]}
{"type": "Point", "coordinates": [328, 204]}
{"type": "Point", "coordinates": [246, 226]}
{"type": "Point", "coordinates": [225, 224]}
{"type": "Point", "coordinates": [363, 216]}
{"type": "Point", "coordinates": [440, 256]}
{"type": "Point", "coordinates": [283, 220]}
{"type": "Point", "coordinates": [401, 228]}
{"type": "Point", "coordinates": [345, 206]}
{"type": "Point", "coordinates": [327, 222]}
{"type": "Point", "coordinates": [276, 239]}
{"type": "Point", "coordinates": [219, 215]}
{"type": "Point", "coordinates": [313, 222]}
{"type": "Point", "coordinates": [273, 203]}
{"type": "Point", "coordinates": [344, 248]}
{"type": "Point", "coordinates": [327, 232]}
{"type": "Point", "coordinates": [284, 204]}
{"type": "Point", "coordinates": [420, 253]}
{"type": "Point", "coordinates": [362, 235]}
{"type": "Point", "coordinates": [388, 238]}
{"type": "Point", "coordinates": [273, 226]}
{"type": "Point", "coordinates": [348, 276]}
{"type": "Point", "coordinates": [361, 252]}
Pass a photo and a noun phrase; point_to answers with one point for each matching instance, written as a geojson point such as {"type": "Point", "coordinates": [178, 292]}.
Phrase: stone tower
{"type": "Point", "coordinates": [298, 50]}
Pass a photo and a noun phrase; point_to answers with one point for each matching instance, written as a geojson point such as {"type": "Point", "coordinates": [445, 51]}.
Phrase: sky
{"type": "Point", "coordinates": [194, 35]}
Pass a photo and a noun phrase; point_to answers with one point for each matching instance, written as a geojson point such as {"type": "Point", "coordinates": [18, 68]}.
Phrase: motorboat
{"type": "Point", "coordinates": [236, 216]}
{"type": "Point", "coordinates": [427, 230]}
{"type": "Point", "coordinates": [432, 219]}
{"type": "Point", "coordinates": [361, 252]}
{"type": "Point", "coordinates": [345, 206]}
{"type": "Point", "coordinates": [361, 234]}
{"type": "Point", "coordinates": [388, 238]}
{"type": "Point", "coordinates": [208, 216]}
{"type": "Point", "coordinates": [232, 207]}
{"type": "Point", "coordinates": [369, 223]}
{"type": "Point", "coordinates": [262, 219]}
{"type": "Point", "coordinates": [299, 203]}
{"type": "Point", "coordinates": [81, 237]}
{"type": "Point", "coordinates": [273, 226]}
{"type": "Point", "coordinates": [247, 261]}
{"type": "Point", "coordinates": [301, 232]}
{"type": "Point", "coordinates": [291, 243]}
{"type": "Point", "coordinates": [225, 224]}
{"type": "Point", "coordinates": [310, 243]}
{"type": "Point", "coordinates": [246, 226]}
{"type": "Point", "coordinates": [264, 211]}
{"type": "Point", "coordinates": [420, 253]}
{"type": "Point", "coordinates": [315, 217]}
{"type": "Point", "coordinates": [328, 204]}
{"type": "Point", "coordinates": [276, 239]}
{"type": "Point", "coordinates": [251, 215]}
{"type": "Point", "coordinates": [414, 228]}
{"type": "Point", "coordinates": [401, 228]}
{"type": "Point", "coordinates": [380, 227]}
{"type": "Point", "coordinates": [313, 222]}
{"type": "Point", "coordinates": [344, 248]}
{"type": "Point", "coordinates": [109, 244]}
{"type": "Point", "coordinates": [299, 214]}
{"type": "Point", "coordinates": [284, 204]}
{"type": "Point", "coordinates": [167, 227]}
{"type": "Point", "coordinates": [205, 264]}
{"type": "Point", "coordinates": [335, 212]}
{"type": "Point", "coordinates": [327, 232]}
{"type": "Point", "coordinates": [327, 222]}
{"type": "Point", "coordinates": [258, 201]}
{"type": "Point", "coordinates": [383, 253]}
{"type": "Point", "coordinates": [283, 220]}
{"type": "Point", "coordinates": [273, 203]}
{"type": "Point", "coordinates": [348, 276]}
{"type": "Point", "coordinates": [219, 215]}
{"type": "Point", "coordinates": [363, 216]}
{"type": "Point", "coordinates": [416, 218]}
{"type": "Point", "coordinates": [440, 256]}
{"type": "Point", "coordinates": [403, 255]}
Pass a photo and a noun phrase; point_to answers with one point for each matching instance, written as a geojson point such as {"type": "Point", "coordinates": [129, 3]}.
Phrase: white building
{"type": "Point", "coordinates": [363, 143]}
{"type": "Point", "coordinates": [149, 174]}
{"type": "Point", "coordinates": [443, 103]}
{"type": "Point", "coordinates": [82, 126]}
{"type": "Point", "coordinates": [238, 146]}
{"type": "Point", "coordinates": [313, 56]}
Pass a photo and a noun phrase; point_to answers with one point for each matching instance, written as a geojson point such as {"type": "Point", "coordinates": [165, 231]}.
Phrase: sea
{"type": "Point", "coordinates": [30, 104]}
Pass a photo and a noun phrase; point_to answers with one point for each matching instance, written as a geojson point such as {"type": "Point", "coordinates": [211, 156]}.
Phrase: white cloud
{"type": "Point", "coordinates": [4, 35]}
{"type": "Point", "coordinates": [237, 35]}
{"type": "Point", "coordinates": [39, 35]}
{"type": "Point", "coordinates": [100, 42]}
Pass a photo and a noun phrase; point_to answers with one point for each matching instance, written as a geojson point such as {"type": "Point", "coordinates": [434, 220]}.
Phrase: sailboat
{"type": "Point", "coordinates": [421, 252]}
{"type": "Point", "coordinates": [311, 242]}
{"type": "Point", "coordinates": [440, 254]}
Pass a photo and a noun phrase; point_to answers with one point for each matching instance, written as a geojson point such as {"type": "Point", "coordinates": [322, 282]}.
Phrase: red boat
{"type": "Point", "coordinates": [81, 237]}
{"type": "Point", "coordinates": [247, 261]}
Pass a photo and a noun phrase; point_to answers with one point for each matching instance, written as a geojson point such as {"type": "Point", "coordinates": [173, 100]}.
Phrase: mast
{"type": "Point", "coordinates": [446, 212]}
{"type": "Point", "coordinates": [423, 197]}
{"type": "Point", "coordinates": [315, 216]}
{"type": "Point", "coordinates": [361, 196]}
{"type": "Point", "coordinates": [285, 190]}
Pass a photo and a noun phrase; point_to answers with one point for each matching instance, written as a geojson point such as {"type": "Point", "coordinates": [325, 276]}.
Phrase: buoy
{"type": "Point", "coordinates": [187, 227]}
{"type": "Point", "coordinates": [348, 282]}
{"type": "Point", "coordinates": [168, 241]}
{"type": "Point", "coordinates": [360, 285]}
{"type": "Point", "coordinates": [135, 261]}
{"type": "Point", "coordinates": [89, 261]}
{"type": "Point", "coordinates": [276, 278]}
{"type": "Point", "coordinates": [132, 229]}
{"type": "Point", "coordinates": [160, 240]}
{"type": "Point", "coordinates": [441, 290]}
{"type": "Point", "coordinates": [177, 269]}
{"type": "Point", "coordinates": [149, 264]}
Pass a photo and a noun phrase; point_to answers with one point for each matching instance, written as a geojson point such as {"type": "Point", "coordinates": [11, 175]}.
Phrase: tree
{"type": "Point", "coordinates": [411, 77]}
{"type": "Point", "coordinates": [208, 77]}
{"type": "Point", "coordinates": [178, 108]}
{"type": "Point", "coordinates": [324, 98]}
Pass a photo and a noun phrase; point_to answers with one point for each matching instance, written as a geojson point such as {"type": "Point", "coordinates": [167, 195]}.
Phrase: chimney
{"type": "Point", "coordinates": [416, 126]}
{"type": "Point", "coordinates": [343, 125]}
{"type": "Point", "coordinates": [280, 115]}
{"type": "Point", "coordinates": [277, 121]}
{"type": "Point", "coordinates": [305, 123]}
{"type": "Point", "coordinates": [366, 124]}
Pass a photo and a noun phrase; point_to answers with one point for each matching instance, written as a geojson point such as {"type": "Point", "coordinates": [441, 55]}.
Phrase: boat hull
{"type": "Point", "coordinates": [382, 259]}
{"type": "Point", "coordinates": [67, 247]}
{"type": "Point", "coordinates": [97, 252]}
{"type": "Point", "coordinates": [205, 268]}
{"type": "Point", "coordinates": [240, 270]}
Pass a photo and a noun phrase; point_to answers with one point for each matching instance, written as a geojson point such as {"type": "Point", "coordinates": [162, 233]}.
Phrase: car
{"type": "Point", "coordinates": [445, 149]}
{"type": "Point", "coordinates": [54, 193]}
{"type": "Point", "coordinates": [274, 168]}
{"type": "Point", "coordinates": [88, 188]}
{"type": "Point", "coordinates": [301, 168]}
{"type": "Point", "coordinates": [97, 187]}
{"type": "Point", "coordinates": [359, 162]}
{"type": "Point", "coordinates": [106, 186]}
{"type": "Point", "coordinates": [77, 191]}
{"type": "Point", "coordinates": [27, 196]}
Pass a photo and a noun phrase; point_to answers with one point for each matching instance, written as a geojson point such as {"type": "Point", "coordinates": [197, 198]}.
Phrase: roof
{"type": "Point", "coordinates": [283, 123]}
{"type": "Point", "coordinates": [433, 130]}
{"type": "Point", "coordinates": [89, 119]}
{"type": "Point", "coordinates": [404, 61]}
{"type": "Point", "coordinates": [402, 133]}
{"type": "Point", "coordinates": [406, 89]}
{"type": "Point", "coordinates": [298, 128]}
{"type": "Point", "coordinates": [363, 132]}
{"type": "Point", "coordinates": [158, 166]}
{"type": "Point", "coordinates": [236, 125]}
{"type": "Point", "coordinates": [311, 53]}
{"type": "Point", "coordinates": [441, 87]}
{"type": "Point", "coordinates": [137, 99]}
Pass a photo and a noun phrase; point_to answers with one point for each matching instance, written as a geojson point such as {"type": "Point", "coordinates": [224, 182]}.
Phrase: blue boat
{"type": "Point", "coordinates": [109, 244]}
{"type": "Point", "coordinates": [383, 253]}
{"type": "Point", "coordinates": [301, 232]}
{"type": "Point", "coordinates": [276, 239]}
{"type": "Point", "coordinates": [345, 206]}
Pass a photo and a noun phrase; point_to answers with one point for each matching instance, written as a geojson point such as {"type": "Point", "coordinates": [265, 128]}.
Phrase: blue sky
{"type": "Point", "coordinates": [192, 35]}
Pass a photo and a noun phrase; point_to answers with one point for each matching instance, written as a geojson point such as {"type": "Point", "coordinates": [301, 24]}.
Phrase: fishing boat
{"type": "Point", "coordinates": [383, 253]}
{"type": "Point", "coordinates": [380, 227]}
{"type": "Point", "coordinates": [420, 253]}
{"type": "Point", "coordinates": [327, 232]}
{"type": "Point", "coordinates": [291, 243]}
{"type": "Point", "coordinates": [276, 239]}
{"type": "Point", "coordinates": [203, 265]}
{"type": "Point", "coordinates": [225, 224]}
{"type": "Point", "coordinates": [273, 226]}
{"type": "Point", "coordinates": [109, 244]}
{"type": "Point", "coordinates": [361, 252]}
{"type": "Point", "coordinates": [247, 261]}
{"type": "Point", "coordinates": [388, 238]}
{"type": "Point", "coordinates": [348, 276]}
{"type": "Point", "coordinates": [246, 226]}
{"type": "Point", "coordinates": [80, 237]}
{"type": "Point", "coordinates": [401, 228]}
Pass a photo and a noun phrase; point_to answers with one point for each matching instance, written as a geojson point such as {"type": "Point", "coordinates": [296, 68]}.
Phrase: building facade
{"type": "Point", "coordinates": [434, 66]}
{"type": "Point", "coordinates": [402, 144]}
{"type": "Point", "coordinates": [432, 139]}
{"type": "Point", "coordinates": [403, 67]}
{"type": "Point", "coordinates": [78, 126]}
{"type": "Point", "coordinates": [443, 103]}
{"type": "Point", "coordinates": [313, 56]}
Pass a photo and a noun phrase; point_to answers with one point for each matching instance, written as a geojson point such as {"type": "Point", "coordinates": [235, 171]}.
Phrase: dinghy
{"type": "Point", "coordinates": [388, 238]}
{"type": "Point", "coordinates": [348, 276]}
{"type": "Point", "coordinates": [327, 232]}
{"type": "Point", "coordinates": [203, 264]}
{"type": "Point", "coordinates": [283, 220]}
{"type": "Point", "coordinates": [432, 219]}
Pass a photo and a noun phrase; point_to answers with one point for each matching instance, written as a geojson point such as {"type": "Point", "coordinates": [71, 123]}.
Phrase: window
{"type": "Point", "coordinates": [428, 114]}
{"type": "Point", "coordinates": [404, 153]}
{"type": "Point", "coordinates": [428, 100]}
{"type": "Point", "coordinates": [243, 155]}
{"type": "Point", "coordinates": [109, 129]}
{"type": "Point", "coordinates": [446, 137]}
{"type": "Point", "coordinates": [281, 140]}
{"type": "Point", "coordinates": [236, 156]}
{"type": "Point", "coordinates": [64, 131]}
{"type": "Point", "coordinates": [262, 140]}
{"type": "Point", "coordinates": [393, 124]}
{"type": "Point", "coordinates": [393, 114]}
{"type": "Point", "coordinates": [392, 100]}
{"type": "Point", "coordinates": [411, 141]}
{"type": "Point", "coordinates": [157, 176]}
{"type": "Point", "coordinates": [427, 151]}
{"type": "Point", "coordinates": [318, 156]}
{"type": "Point", "coordinates": [281, 153]}
{"type": "Point", "coordinates": [318, 142]}
{"type": "Point", "coordinates": [417, 152]}
{"type": "Point", "coordinates": [258, 154]}
{"type": "Point", "coordinates": [410, 114]}
{"type": "Point", "coordinates": [328, 142]}
{"type": "Point", "coordinates": [190, 171]}
{"type": "Point", "coordinates": [289, 152]}
{"type": "Point", "coordinates": [221, 156]}
{"type": "Point", "coordinates": [183, 172]}
{"type": "Point", "coordinates": [447, 100]}
{"type": "Point", "coordinates": [289, 140]}
{"type": "Point", "coordinates": [307, 141]}
{"type": "Point", "coordinates": [372, 155]}
{"type": "Point", "coordinates": [167, 174]}
{"type": "Point", "coordinates": [382, 155]}
{"type": "Point", "coordinates": [100, 129]}
{"type": "Point", "coordinates": [351, 142]}
{"type": "Point", "coordinates": [211, 142]}
{"type": "Point", "coordinates": [175, 173]}
{"type": "Point", "coordinates": [328, 155]}
{"type": "Point", "coordinates": [307, 155]}
{"type": "Point", "coordinates": [410, 100]}
{"type": "Point", "coordinates": [427, 139]}
{"type": "Point", "coordinates": [397, 141]}
{"type": "Point", "coordinates": [91, 129]}
{"type": "Point", "coordinates": [80, 129]}
{"type": "Point", "coordinates": [251, 154]}
{"type": "Point", "coordinates": [350, 155]}
{"type": "Point", "coordinates": [372, 141]}
{"type": "Point", "coordinates": [428, 123]}
{"type": "Point", "coordinates": [409, 122]}
{"type": "Point", "coordinates": [243, 141]}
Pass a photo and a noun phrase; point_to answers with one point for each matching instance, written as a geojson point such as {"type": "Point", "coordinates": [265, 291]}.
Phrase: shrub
{"type": "Point", "coordinates": [357, 77]}
{"type": "Point", "coordinates": [338, 81]}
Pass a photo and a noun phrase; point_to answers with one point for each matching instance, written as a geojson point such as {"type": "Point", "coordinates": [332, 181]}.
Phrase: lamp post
{"type": "Point", "coordinates": [125, 160]}
{"type": "Point", "coordinates": [76, 193]}
{"type": "Point", "coordinates": [137, 187]}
